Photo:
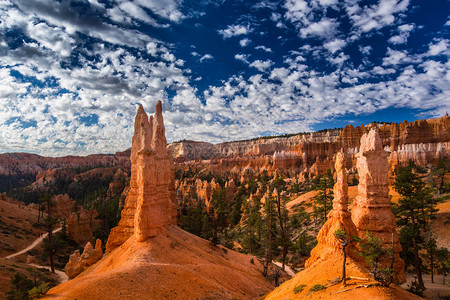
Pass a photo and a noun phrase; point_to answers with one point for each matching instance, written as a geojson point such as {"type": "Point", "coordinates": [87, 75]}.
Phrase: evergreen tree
{"type": "Point", "coordinates": [49, 244]}
{"type": "Point", "coordinates": [431, 248]}
{"type": "Point", "coordinates": [372, 250]}
{"type": "Point", "coordinates": [343, 238]}
{"type": "Point", "coordinates": [324, 197]}
{"type": "Point", "coordinates": [415, 209]}
{"type": "Point", "coordinates": [283, 218]}
{"type": "Point", "coordinates": [269, 232]}
{"type": "Point", "coordinates": [20, 285]}
{"type": "Point", "coordinates": [443, 257]}
{"type": "Point", "coordinates": [252, 225]}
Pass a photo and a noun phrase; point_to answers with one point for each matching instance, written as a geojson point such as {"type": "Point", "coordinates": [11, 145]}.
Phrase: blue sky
{"type": "Point", "coordinates": [72, 73]}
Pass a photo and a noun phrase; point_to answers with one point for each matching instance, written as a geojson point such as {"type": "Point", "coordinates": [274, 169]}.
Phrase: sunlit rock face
{"type": "Point", "coordinates": [372, 208]}
{"type": "Point", "coordinates": [150, 204]}
{"type": "Point", "coordinates": [339, 218]}
{"type": "Point", "coordinates": [78, 263]}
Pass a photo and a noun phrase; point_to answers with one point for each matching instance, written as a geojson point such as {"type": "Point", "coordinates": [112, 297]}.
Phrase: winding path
{"type": "Point", "coordinates": [34, 244]}
{"type": "Point", "coordinates": [62, 276]}
{"type": "Point", "coordinates": [287, 269]}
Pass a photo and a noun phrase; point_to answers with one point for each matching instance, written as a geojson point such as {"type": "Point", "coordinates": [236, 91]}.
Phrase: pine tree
{"type": "Point", "coordinates": [283, 218]}
{"type": "Point", "coordinates": [252, 225]}
{"type": "Point", "coordinates": [50, 222]}
{"type": "Point", "coordinates": [372, 250]}
{"type": "Point", "coordinates": [431, 248]}
{"type": "Point", "coordinates": [343, 238]}
{"type": "Point", "coordinates": [20, 285]}
{"type": "Point", "coordinates": [443, 257]}
{"type": "Point", "coordinates": [415, 209]}
{"type": "Point", "coordinates": [324, 197]}
{"type": "Point", "coordinates": [269, 232]}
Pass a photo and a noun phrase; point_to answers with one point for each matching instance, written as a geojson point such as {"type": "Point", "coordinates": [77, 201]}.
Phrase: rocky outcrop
{"type": "Point", "coordinates": [63, 206]}
{"type": "Point", "coordinates": [32, 259]}
{"type": "Point", "coordinates": [81, 224]}
{"type": "Point", "coordinates": [372, 208]}
{"type": "Point", "coordinates": [78, 263]}
{"type": "Point", "coordinates": [151, 201]}
{"type": "Point", "coordinates": [338, 218]}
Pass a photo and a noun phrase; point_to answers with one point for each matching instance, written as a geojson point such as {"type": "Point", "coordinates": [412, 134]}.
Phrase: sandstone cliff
{"type": "Point", "coordinates": [28, 163]}
{"type": "Point", "coordinates": [81, 224]}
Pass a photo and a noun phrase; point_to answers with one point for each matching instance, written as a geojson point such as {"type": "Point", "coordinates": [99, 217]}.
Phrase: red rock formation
{"type": "Point", "coordinates": [339, 217]}
{"type": "Point", "coordinates": [151, 201]}
{"type": "Point", "coordinates": [81, 224]}
{"type": "Point", "coordinates": [63, 206]}
{"type": "Point", "coordinates": [78, 263]}
{"type": "Point", "coordinates": [230, 190]}
{"type": "Point", "coordinates": [285, 161]}
{"type": "Point", "coordinates": [372, 208]}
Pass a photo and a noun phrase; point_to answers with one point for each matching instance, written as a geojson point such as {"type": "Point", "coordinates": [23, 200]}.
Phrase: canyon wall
{"type": "Point", "coordinates": [424, 141]}
{"type": "Point", "coordinates": [28, 163]}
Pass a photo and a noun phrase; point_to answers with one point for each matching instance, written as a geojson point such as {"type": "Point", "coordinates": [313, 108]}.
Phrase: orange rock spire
{"type": "Point", "coordinates": [150, 204]}
{"type": "Point", "coordinates": [372, 208]}
{"type": "Point", "coordinates": [339, 217]}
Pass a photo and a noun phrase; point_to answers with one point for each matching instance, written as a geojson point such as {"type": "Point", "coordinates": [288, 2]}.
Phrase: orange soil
{"type": "Point", "coordinates": [326, 272]}
{"type": "Point", "coordinates": [177, 266]}
{"type": "Point", "coordinates": [16, 230]}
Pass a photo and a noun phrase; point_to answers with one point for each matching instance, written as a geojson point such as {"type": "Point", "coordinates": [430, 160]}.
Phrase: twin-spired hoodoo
{"type": "Point", "coordinates": [150, 205]}
{"type": "Point", "coordinates": [371, 211]}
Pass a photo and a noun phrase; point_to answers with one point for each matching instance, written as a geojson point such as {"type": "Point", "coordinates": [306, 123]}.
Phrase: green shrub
{"type": "Point", "coordinates": [299, 288]}
{"type": "Point", "coordinates": [317, 287]}
{"type": "Point", "coordinates": [39, 291]}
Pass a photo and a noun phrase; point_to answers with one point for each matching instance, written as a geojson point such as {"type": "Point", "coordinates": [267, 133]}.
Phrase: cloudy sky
{"type": "Point", "coordinates": [72, 73]}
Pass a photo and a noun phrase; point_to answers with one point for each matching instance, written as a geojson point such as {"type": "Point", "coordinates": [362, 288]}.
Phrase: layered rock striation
{"type": "Point", "coordinates": [371, 211]}
{"type": "Point", "coordinates": [424, 141]}
{"type": "Point", "coordinates": [151, 201]}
